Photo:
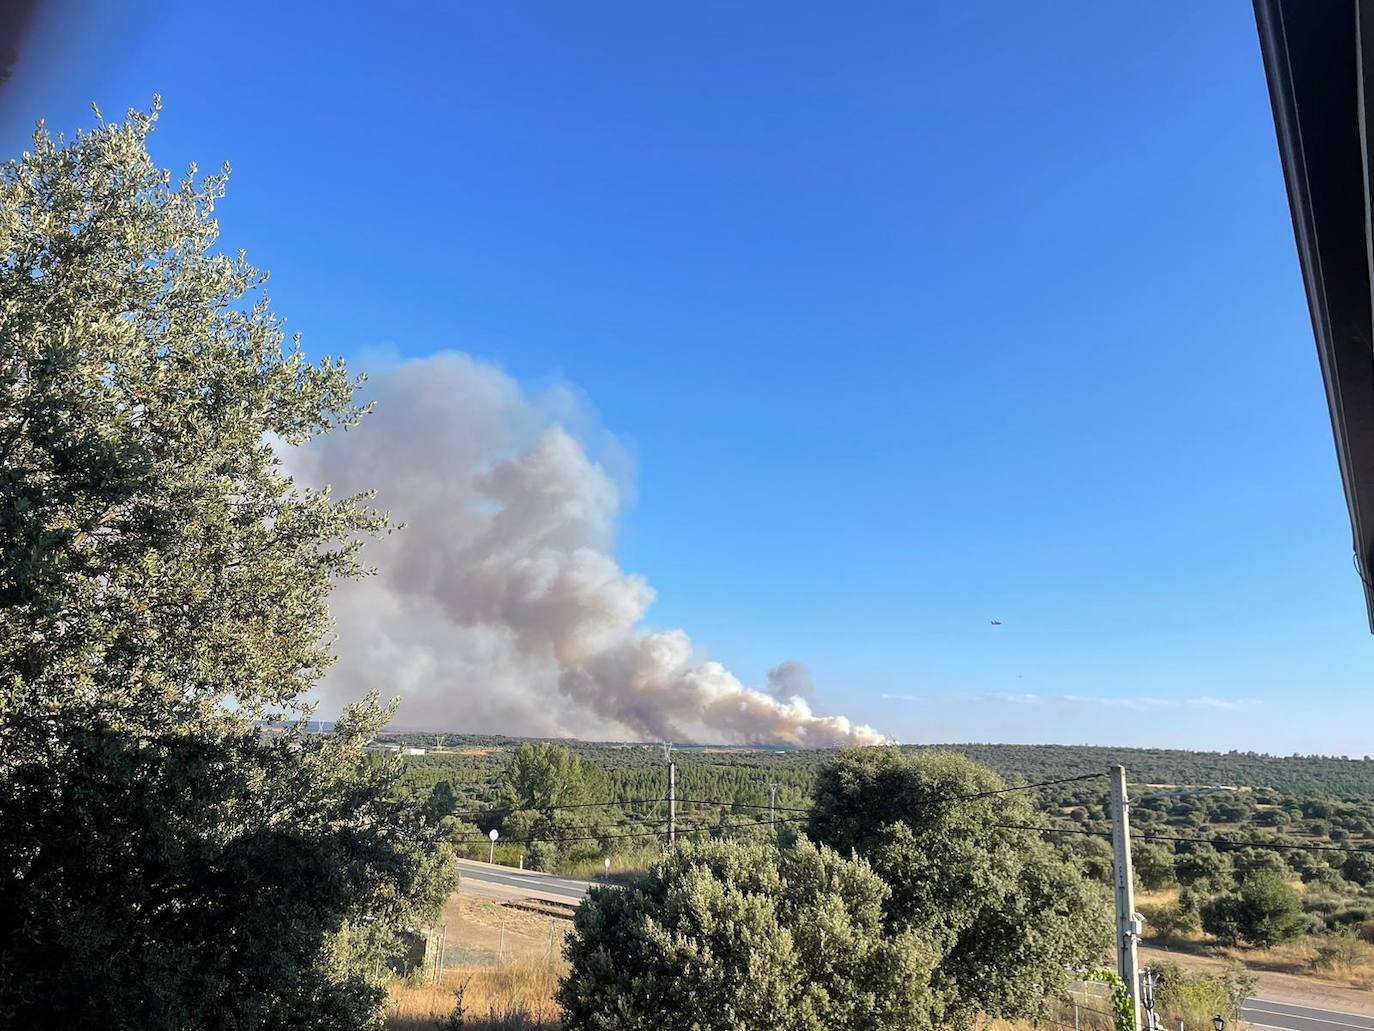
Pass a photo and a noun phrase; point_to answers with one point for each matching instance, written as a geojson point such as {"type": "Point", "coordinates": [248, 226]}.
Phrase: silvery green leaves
{"type": "Point", "coordinates": [724, 935]}
{"type": "Point", "coordinates": [163, 586]}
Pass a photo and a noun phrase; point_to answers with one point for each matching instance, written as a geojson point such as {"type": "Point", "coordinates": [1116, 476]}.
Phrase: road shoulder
{"type": "Point", "coordinates": [1294, 989]}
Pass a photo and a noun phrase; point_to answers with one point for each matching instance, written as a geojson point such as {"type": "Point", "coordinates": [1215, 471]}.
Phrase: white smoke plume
{"type": "Point", "coordinates": [499, 607]}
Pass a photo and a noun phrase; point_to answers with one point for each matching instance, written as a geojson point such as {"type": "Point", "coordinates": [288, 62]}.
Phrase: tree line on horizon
{"type": "Point", "coordinates": [1331, 776]}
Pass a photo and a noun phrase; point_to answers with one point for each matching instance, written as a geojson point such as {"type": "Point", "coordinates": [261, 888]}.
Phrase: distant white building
{"type": "Point", "coordinates": [412, 751]}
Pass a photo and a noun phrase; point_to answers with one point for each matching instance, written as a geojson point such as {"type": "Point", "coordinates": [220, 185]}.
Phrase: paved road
{"type": "Point", "coordinates": [1263, 1013]}
{"type": "Point", "coordinates": [506, 882]}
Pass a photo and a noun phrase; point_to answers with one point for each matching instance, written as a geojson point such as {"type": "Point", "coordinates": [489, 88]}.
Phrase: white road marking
{"type": "Point", "coordinates": [1314, 1009]}
{"type": "Point", "coordinates": [1301, 1016]}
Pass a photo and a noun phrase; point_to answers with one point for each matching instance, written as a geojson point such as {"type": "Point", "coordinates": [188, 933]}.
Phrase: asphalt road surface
{"type": "Point", "coordinates": [1263, 1013]}
{"type": "Point", "coordinates": [507, 882]}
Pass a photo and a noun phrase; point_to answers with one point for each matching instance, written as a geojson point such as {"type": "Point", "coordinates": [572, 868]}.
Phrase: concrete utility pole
{"type": "Point", "coordinates": [672, 802]}
{"type": "Point", "coordinates": [772, 804]}
{"type": "Point", "coordinates": [1127, 923]}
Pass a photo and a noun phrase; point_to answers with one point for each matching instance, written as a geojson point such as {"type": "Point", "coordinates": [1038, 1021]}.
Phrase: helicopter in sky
{"type": "Point", "coordinates": [996, 622]}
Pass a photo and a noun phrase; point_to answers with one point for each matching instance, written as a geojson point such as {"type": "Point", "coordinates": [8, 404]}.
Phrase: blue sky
{"type": "Point", "coordinates": [911, 316]}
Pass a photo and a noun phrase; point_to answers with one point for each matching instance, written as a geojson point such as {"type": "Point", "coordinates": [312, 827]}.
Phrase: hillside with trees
{"type": "Point", "coordinates": [1216, 854]}
{"type": "Point", "coordinates": [1329, 776]}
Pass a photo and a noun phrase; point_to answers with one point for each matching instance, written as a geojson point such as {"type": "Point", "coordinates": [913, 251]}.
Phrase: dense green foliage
{"type": "Point", "coordinates": [163, 587]}
{"type": "Point", "coordinates": [1195, 998]}
{"type": "Point", "coordinates": [1297, 775]}
{"type": "Point", "coordinates": [1000, 907]}
{"type": "Point", "coordinates": [1266, 911]}
{"type": "Point", "coordinates": [1181, 803]}
{"type": "Point", "coordinates": [541, 794]}
{"type": "Point", "coordinates": [720, 936]}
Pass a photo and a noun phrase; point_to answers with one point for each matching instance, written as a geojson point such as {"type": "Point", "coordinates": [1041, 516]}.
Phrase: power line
{"type": "Point", "coordinates": [559, 841]}
{"type": "Point", "coordinates": [1219, 843]}
{"type": "Point", "coordinates": [704, 828]}
{"type": "Point", "coordinates": [1232, 845]}
{"type": "Point", "coordinates": [1223, 844]}
{"type": "Point", "coordinates": [494, 810]}
{"type": "Point", "coordinates": [939, 801]}
{"type": "Point", "coordinates": [708, 827]}
{"type": "Point", "coordinates": [744, 805]}
{"type": "Point", "coordinates": [1021, 787]}
{"type": "Point", "coordinates": [1051, 830]}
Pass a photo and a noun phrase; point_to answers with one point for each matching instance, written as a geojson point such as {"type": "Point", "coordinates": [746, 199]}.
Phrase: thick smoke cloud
{"type": "Point", "coordinates": [499, 606]}
{"type": "Point", "coordinates": [789, 680]}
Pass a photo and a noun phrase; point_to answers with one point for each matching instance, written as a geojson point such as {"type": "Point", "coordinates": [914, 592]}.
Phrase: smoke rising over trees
{"type": "Point", "coordinates": [499, 605]}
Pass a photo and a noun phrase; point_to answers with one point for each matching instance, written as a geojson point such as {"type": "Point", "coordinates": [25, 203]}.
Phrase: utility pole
{"type": "Point", "coordinates": [772, 805]}
{"type": "Point", "coordinates": [672, 792]}
{"type": "Point", "coordinates": [1127, 923]}
{"type": "Point", "coordinates": [672, 803]}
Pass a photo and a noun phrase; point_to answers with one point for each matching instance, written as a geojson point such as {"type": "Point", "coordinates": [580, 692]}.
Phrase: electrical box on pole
{"type": "Point", "coordinates": [1127, 923]}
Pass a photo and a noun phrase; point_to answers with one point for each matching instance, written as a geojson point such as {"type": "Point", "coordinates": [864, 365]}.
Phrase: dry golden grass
{"type": "Point", "coordinates": [1338, 963]}
{"type": "Point", "coordinates": [506, 962]}
{"type": "Point", "coordinates": [1329, 959]}
{"type": "Point", "coordinates": [519, 996]}
{"type": "Point", "coordinates": [622, 865]}
{"type": "Point", "coordinates": [1158, 896]}
{"type": "Point", "coordinates": [515, 996]}
{"type": "Point", "coordinates": [1335, 959]}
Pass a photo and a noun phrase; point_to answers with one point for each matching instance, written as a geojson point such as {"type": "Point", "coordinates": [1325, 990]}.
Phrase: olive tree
{"type": "Point", "coordinates": [1153, 865]}
{"type": "Point", "coordinates": [165, 862]}
{"type": "Point", "coordinates": [1359, 868]}
{"type": "Point", "coordinates": [1008, 918]}
{"type": "Point", "coordinates": [725, 935]}
{"type": "Point", "coordinates": [1266, 911]}
{"type": "Point", "coordinates": [1200, 865]}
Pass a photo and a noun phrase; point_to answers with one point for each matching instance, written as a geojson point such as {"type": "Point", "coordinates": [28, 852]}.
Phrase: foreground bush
{"type": "Point", "coordinates": [721, 936]}
{"type": "Point", "coordinates": [1000, 907]}
{"type": "Point", "coordinates": [1195, 998]}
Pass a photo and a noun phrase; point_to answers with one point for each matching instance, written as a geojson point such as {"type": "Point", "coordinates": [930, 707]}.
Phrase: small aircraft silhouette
{"type": "Point", "coordinates": [996, 622]}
